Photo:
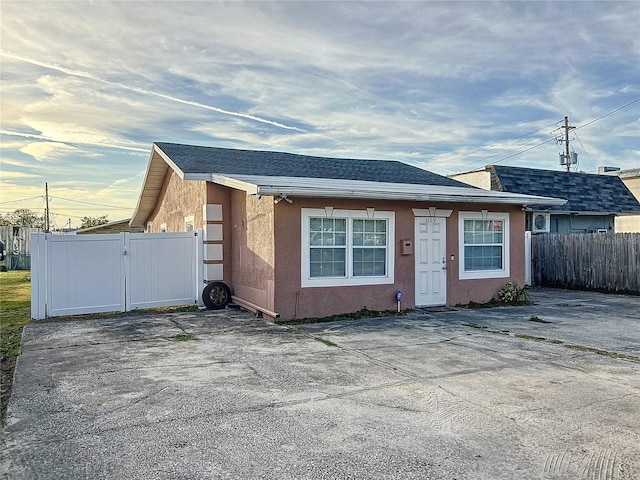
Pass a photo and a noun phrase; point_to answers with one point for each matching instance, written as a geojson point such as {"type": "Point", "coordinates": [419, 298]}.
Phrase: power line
{"type": "Point", "coordinates": [524, 151]}
{"type": "Point", "coordinates": [610, 113]}
{"type": "Point", "coordinates": [575, 128]}
{"type": "Point", "coordinates": [585, 151]}
{"type": "Point", "coordinates": [535, 132]}
{"type": "Point", "coordinates": [20, 200]}
{"type": "Point", "coordinates": [90, 203]}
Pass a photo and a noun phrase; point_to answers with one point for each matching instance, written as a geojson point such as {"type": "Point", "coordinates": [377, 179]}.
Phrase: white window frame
{"type": "Point", "coordinates": [505, 271]}
{"type": "Point", "coordinates": [349, 279]}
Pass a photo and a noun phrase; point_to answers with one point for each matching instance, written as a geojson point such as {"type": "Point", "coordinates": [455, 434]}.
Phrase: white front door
{"type": "Point", "coordinates": [431, 273]}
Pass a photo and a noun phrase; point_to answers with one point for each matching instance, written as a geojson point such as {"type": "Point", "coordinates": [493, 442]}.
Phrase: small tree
{"type": "Point", "coordinates": [93, 221]}
{"type": "Point", "coordinates": [23, 217]}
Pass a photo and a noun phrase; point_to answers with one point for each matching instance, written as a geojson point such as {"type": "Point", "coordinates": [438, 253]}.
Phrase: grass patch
{"type": "Point", "coordinates": [530, 337]}
{"type": "Point", "coordinates": [183, 337]}
{"type": "Point", "coordinates": [493, 303]}
{"type": "Point", "coordinates": [363, 313]}
{"type": "Point", "coordinates": [328, 343]}
{"type": "Point", "coordinates": [535, 318]}
{"type": "Point", "coordinates": [605, 353]}
{"type": "Point", "coordinates": [15, 313]}
{"type": "Point", "coordinates": [475, 325]}
{"type": "Point", "coordinates": [130, 313]}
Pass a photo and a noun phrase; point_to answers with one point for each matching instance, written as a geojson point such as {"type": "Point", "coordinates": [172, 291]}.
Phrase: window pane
{"type": "Point", "coordinates": [327, 262]}
{"type": "Point", "coordinates": [315, 224]}
{"type": "Point", "coordinates": [483, 231]}
{"type": "Point", "coordinates": [369, 262]}
{"type": "Point", "coordinates": [358, 239]}
{"type": "Point", "coordinates": [370, 233]}
{"type": "Point", "coordinates": [327, 231]}
{"type": "Point", "coordinates": [327, 239]}
{"type": "Point", "coordinates": [482, 258]}
{"type": "Point", "coordinates": [340, 225]}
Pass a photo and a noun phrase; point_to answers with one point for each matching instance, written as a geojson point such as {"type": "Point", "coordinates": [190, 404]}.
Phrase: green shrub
{"type": "Point", "coordinates": [511, 293]}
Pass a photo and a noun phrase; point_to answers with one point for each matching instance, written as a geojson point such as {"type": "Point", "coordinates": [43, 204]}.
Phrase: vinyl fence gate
{"type": "Point", "coordinates": [77, 274]}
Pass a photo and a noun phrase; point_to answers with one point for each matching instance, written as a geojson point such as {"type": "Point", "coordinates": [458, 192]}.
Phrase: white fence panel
{"type": "Point", "coordinates": [161, 269]}
{"type": "Point", "coordinates": [73, 275]}
{"type": "Point", "coordinates": [527, 258]}
{"type": "Point", "coordinates": [38, 276]}
{"type": "Point", "coordinates": [85, 274]}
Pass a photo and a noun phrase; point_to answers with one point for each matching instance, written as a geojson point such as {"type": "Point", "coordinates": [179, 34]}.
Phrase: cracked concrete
{"type": "Point", "coordinates": [454, 394]}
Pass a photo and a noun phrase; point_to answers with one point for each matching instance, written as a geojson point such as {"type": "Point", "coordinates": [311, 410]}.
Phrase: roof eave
{"type": "Point", "coordinates": [157, 167]}
{"type": "Point", "coordinates": [332, 188]}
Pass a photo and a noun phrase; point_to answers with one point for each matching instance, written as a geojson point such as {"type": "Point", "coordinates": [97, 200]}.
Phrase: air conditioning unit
{"type": "Point", "coordinates": [540, 222]}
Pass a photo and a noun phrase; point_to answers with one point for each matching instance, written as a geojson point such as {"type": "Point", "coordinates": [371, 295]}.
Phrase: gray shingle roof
{"type": "Point", "coordinates": [224, 161]}
{"type": "Point", "coordinates": [584, 192]}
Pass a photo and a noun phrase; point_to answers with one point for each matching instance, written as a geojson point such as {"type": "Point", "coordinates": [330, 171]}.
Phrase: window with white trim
{"type": "Point", "coordinates": [484, 245]}
{"type": "Point", "coordinates": [347, 247]}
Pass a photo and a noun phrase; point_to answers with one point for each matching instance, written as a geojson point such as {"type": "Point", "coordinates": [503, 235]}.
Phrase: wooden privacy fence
{"type": "Point", "coordinates": [589, 261]}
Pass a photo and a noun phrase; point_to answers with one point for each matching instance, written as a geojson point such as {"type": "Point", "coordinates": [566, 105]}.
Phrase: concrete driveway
{"type": "Point", "coordinates": [481, 394]}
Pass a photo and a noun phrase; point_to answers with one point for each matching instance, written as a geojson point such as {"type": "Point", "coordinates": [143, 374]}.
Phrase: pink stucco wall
{"type": "Point", "coordinates": [178, 199]}
{"type": "Point", "coordinates": [252, 249]}
{"type": "Point", "coordinates": [262, 249]}
{"type": "Point", "coordinates": [293, 301]}
{"type": "Point", "coordinates": [464, 291]}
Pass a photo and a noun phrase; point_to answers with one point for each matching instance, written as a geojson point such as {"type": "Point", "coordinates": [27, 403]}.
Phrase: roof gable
{"type": "Point", "coordinates": [223, 161]}
{"type": "Point", "coordinates": [281, 175]}
{"type": "Point", "coordinates": [584, 192]}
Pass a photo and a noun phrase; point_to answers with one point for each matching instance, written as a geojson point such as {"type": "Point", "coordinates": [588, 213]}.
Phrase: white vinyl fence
{"type": "Point", "coordinates": [77, 274]}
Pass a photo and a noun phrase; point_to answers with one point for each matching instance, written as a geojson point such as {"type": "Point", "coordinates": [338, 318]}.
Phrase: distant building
{"type": "Point", "coordinates": [631, 178]}
{"type": "Point", "coordinates": [117, 226]}
{"type": "Point", "coordinates": [595, 203]}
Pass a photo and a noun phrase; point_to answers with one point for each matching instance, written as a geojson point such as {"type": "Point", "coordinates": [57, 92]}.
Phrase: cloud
{"type": "Point", "coordinates": [5, 174]}
{"type": "Point", "coordinates": [443, 85]}
{"type": "Point", "coordinates": [43, 151]}
{"type": "Point", "coordinates": [142, 91]}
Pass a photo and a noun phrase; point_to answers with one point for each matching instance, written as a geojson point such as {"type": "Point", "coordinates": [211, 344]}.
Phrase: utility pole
{"type": "Point", "coordinates": [567, 154]}
{"type": "Point", "coordinates": [46, 216]}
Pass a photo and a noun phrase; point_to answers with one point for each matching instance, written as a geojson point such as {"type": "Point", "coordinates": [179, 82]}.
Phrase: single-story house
{"type": "Point", "coordinates": [115, 226]}
{"type": "Point", "coordinates": [297, 236]}
{"type": "Point", "coordinates": [631, 178]}
{"type": "Point", "coordinates": [593, 201]}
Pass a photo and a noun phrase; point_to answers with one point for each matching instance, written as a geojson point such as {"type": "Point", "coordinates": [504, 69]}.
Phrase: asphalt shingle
{"type": "Point", "coordinates": [224, 161]}
{"type": "Point", "coordinates": [584, 192]}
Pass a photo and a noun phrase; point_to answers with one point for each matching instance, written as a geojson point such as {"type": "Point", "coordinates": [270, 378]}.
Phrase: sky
{"type": "Point", "coordinates": [87, 87]}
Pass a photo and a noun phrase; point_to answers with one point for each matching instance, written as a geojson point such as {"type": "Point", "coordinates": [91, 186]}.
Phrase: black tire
{"type": "Point", "coordinates": [216, 295]}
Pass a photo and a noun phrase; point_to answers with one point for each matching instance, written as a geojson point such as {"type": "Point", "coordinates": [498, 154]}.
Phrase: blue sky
{"type": "Point", "coordinates": [446, 86]}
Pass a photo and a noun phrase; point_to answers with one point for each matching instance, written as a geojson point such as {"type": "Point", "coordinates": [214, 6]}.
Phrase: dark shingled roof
{"type": "Point", "coordinates": [584, 192]}
{"type": "Point", "coordinates": [224, 161]}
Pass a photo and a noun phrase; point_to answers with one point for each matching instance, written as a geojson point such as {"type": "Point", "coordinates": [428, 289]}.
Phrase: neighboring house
{"type": "Point", "coordinates": [593, 201]}
{"type": "Point", "coordinates": [298, 236]}
{"type": "Point", "coordinates": [116, 226]}
{"type": "Point", "coordinates": [631, 178]}
{"type": "Point", "coordinates": [17, 246]}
